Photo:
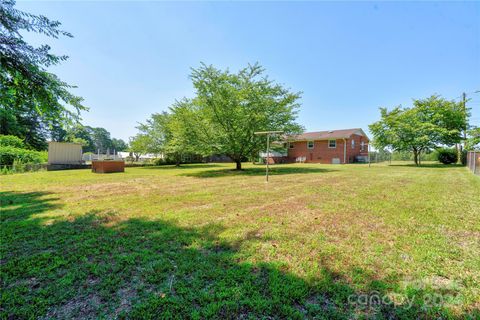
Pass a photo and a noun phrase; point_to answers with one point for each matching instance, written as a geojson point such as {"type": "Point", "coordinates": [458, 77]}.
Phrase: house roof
{"type": "Point", "coordinates": [329, 134]}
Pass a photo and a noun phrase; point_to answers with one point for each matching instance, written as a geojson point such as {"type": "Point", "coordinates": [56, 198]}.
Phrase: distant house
{"type": "Point", "coordinates": [274, 157]}
{"type": "Point", "coordinates": [334, 146]}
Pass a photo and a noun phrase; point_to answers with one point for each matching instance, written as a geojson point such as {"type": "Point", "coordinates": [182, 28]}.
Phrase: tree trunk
{"type": "Point", "coordinates": [239, 165]}
{"type": "Point", "coordinates": [178, 160]}
{"type": "Point", "coordinates": [415, 156]}
{"type": "Point", "coordinates": [459, 152]}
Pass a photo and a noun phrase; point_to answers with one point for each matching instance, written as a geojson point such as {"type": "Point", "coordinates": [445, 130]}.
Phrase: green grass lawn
{"type": "Point", "coordinates": [201, 241]}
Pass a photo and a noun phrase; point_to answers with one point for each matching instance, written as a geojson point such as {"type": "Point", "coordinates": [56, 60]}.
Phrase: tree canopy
{"type": "Point", "coordinates": [119, 145]}
{"type": "Point", "coordinates": [139, 145]}
{"type": "Point", "coordinates": [94, 139]}
{"type": "Point", "coordinates": [32, 100]}
{"type": "Point", "coordinates": [430, 123]}
{"type": "Point", "coordinates": [156, 132]}
{"type": "Point", "coordinates": [473, 141]}
{"type": "Point", "coordinates": [230, 107]}
{"type": "Point", "coordinates": [168, 133]}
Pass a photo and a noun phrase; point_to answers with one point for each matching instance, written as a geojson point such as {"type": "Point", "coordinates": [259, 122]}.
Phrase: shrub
{"type": "Point", "coordinates": [43, 155]}
{"type": "Point", "coordinates": [5, 170]}
{"type": "Point", "coordinates": [12, 141]}
{"type": "Point", "coordinates": [402, 156]}
{"type": "Point", "coordinates": [447, 156]}
{"type": "Point", "coordinates": [158, 161]}
{"type": "Point", "coordinates": [19, 166]}
{"type": "Point", "coordinates": [9, 154]}
{"type": "Point", "coordinates": [429, 156]}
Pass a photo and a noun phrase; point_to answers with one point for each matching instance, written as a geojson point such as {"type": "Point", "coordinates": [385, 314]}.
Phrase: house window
{"type": "Point", "coordinates": [291, 145]}
{"type": "Point", "coordinates": [332, 143]}
{"type": "Point", "coordinates": [353, 144]}
{"type": "Point", "coordinates": [362, 146]}
{"type": "Point", "coordinates": [310, 144]}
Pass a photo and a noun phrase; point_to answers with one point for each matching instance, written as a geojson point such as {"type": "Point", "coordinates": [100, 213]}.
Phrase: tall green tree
{"type": "Point", "coordinates": [139, 145]}
{"type": "Point", "coordinates": [81, 134]}
{"type": "Point", "coordinates": [473, 140]}
{"type": "Point", "coordinates": [101, 139]}
{"type": "Point", "coordinates": [430, 123]}
{"type": "Point", "coordinates": [119, 145]}
{"type": "Point", "coordinates": [170, 133]}
{"type": "Point", "coordinates": [93, 139]}
{"type": "Point", "coordinates": [27, 125]}
{"type": "Point", "coordinates": [230, 107]}
{"type": "Point", "coordinates": [184, 127]}
{"type": "Point", "coordinates": [58, 132]}
{"type": "Point", "coordinates": [29, 94]}
{"type": "Point", "coordinates": [157, 129]}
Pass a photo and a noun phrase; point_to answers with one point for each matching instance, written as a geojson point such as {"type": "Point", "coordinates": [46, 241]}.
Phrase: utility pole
{"type": "Point", "coordinates": [458, 146]}
{"type": "Point", "coordinates": [369, 159]}
{"type": "Point", "coordinates": [268, 154]}
{"type": "Point", "coordinates": [267, 133]}
{"type": "Point", "coordinates": [464, 100]}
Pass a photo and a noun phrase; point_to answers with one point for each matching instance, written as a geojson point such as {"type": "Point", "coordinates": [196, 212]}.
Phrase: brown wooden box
{"type": "Point", "coordinates": [107, 166]}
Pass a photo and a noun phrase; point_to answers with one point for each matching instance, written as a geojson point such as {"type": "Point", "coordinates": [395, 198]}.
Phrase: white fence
{"type": "Point", "coordinates": [473, 161]}
{"type": "Point", "coordinates": [96, 156]}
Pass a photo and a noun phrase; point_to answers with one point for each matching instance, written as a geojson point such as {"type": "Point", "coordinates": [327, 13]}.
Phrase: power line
{"type": "Point", "coordinates": [466, 93]}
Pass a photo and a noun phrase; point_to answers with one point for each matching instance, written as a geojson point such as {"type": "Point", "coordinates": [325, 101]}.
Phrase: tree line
{"type": "Point", "coordinates": [92, 139]}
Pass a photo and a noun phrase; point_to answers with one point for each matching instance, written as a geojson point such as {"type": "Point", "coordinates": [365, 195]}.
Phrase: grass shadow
{"type": "Point", "coordinates": [98, 265]}
{"type": "Point", "coordinates": [18, 206]}
{"type": "Point", "coordinates": [183, 166]}
{"type": "Point", "coordinates": [260, 171]}
{"type": "Point", "coordinates": [429, 165]}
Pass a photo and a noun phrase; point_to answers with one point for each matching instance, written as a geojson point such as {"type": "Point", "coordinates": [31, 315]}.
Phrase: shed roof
{"type": "Point", "coordinates": [329, 134]}
{"type": "Point", "coordinates": [63, 142]}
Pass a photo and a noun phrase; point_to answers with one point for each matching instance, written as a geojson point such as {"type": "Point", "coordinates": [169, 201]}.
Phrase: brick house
{"type": "Point", "coordinates": [335, 146]}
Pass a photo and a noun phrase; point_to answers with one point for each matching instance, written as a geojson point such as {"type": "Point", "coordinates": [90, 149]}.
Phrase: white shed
{"type": "Point", "coordinates": [64, 153]}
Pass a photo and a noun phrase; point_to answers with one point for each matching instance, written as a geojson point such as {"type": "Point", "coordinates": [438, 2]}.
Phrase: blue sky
{"type": "Point", "coordinates": [131, 59]}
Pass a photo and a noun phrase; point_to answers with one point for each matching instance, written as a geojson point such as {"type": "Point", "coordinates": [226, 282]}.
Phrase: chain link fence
{"type": "Point", "coordinates": [19, 167]}
{"type": "Point", "coordinates": [387, 157]}
{"type": "Point", "coordinates": [473, 161]}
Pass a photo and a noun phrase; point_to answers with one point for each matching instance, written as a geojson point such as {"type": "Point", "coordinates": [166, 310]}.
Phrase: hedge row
{"type": "Point", "coordinates": [9, 154]}
{"type": "Point", "coordinates": [12, 141]}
